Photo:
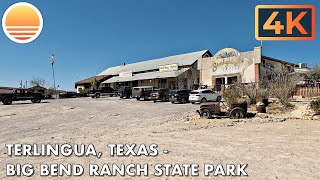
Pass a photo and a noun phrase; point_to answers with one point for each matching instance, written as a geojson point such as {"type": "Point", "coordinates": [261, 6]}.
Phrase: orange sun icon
{"type": "Point", "coordinates": [22, 22]}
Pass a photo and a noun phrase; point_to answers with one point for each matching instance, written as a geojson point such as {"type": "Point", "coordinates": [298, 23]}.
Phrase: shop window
{"type": "Point", "coordinates": [232, 80]}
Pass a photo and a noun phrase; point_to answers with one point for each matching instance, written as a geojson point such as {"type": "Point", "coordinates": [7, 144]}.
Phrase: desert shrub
{"type": "Point", "coordinates": [255, 90]}
{"type": "Point", "coordinates": [282, 85]}
{"type": "Point", "coordinates": [232, 94]}
{"type": "Point", "coordinates": [315, 105]}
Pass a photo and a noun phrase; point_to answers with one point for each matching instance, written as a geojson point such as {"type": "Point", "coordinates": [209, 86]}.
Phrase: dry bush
{"type": "Point", "coordinates": [282, 85]}
{"type": "Point", "coordinates": [314, 74]}
{"type": "Point", "coordinates": [315, 105]}
{"type": "Point", "coordinates": [232, 94]}
{"type": "Point", "coordinates": [254, 90]}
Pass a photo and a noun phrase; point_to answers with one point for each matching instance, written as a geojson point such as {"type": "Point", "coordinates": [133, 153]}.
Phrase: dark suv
{"type": "Point", "coordinates": [142, 92]}
{"type": "Point", "coordinates": [103, 91]}
{"type": "Point", "coordinates": [160, 94]}
{"type": "Point", "coordinates": [181, 96]}
{"type": "Point", "coordinates": [68, 95]}
{"type": "Point", "coordinates": [125, 91]}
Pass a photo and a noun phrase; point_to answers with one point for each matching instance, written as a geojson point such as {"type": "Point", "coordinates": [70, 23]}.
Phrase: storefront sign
{"type": "Point", "coordinates": [126, 74]}
{"type": "Point", "coordinates": [226, 53]}
{"type": "Point", "coordinates": [169, 67]}
{"type": "Point", "coordinates": [226, 63]}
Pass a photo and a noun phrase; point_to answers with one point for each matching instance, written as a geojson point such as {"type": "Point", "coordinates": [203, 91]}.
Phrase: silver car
{"type": "Point", "coordinates": [204, 95]}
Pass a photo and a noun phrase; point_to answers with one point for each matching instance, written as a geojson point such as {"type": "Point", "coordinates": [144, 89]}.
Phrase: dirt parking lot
{"type": "Point", "coordinates": [287, 149]}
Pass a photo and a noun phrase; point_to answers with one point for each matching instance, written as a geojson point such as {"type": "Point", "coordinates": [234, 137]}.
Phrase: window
{"type": "Point", "coordinates": [206, 91]}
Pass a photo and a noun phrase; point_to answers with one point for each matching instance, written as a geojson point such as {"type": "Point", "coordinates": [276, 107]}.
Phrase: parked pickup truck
{"type": "Point", "coordinates": [20, 95]}
{"type": "Point", "coordinates": [104, 91]}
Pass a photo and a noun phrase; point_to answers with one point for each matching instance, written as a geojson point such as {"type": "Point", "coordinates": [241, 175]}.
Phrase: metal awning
{"type": "Point", "coordinates": [146, 76]}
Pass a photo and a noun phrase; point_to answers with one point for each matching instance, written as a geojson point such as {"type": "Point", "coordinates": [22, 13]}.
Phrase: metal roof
{"type": "Point", "coordinates": [147, 75]}
{"type": "Point", "coordinates": [182, 59]}
{"type": "Point", "coordinates": [90, 79]}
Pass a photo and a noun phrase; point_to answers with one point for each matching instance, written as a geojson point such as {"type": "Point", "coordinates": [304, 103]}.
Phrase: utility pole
{"type": "Point", "coordinates": [54, 79]}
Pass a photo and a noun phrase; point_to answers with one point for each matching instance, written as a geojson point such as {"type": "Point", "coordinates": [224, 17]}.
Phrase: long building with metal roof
{"type": "Point", "coordinates": [178, 71]}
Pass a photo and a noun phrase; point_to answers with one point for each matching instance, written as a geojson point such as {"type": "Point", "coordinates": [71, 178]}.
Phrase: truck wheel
{"type": "Point", "coordinates": [192, 102]}
{"type": "Point", "coordinates": [138, 98]}
{"type": "Point", "coordinates": [36, 100]}
{"type": "Point", "coordinates": [183, 100]}
{"type": "Point", "coordinates": [7, 101]}
{"type": "Point", "coordinates": [154, 101]}
{"type": "Point", "coordinates": [237, 114]}
{"type": "Point", "coordinates": [206, 113]}
{"type": "Point", "coordinates": [97, 95]}
{"type": "Point", "coordinates": [219, 99]}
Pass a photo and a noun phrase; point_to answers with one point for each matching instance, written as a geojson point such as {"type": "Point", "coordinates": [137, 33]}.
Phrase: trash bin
{"type": "Point", "coordinates": [261, 108]}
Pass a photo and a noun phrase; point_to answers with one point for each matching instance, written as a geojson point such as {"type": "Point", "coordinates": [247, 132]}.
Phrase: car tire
{"type": "Point", "coordinates": [7, 101]}
{"type": "Point", "coordinates": [172, 102]}
{"type": "Point", "coordinates": [206, 113]}
{"type": "Point", "coordinates": [237, 114]}
{"type": "Point", "coordinates": [203, 100]}
{"type": "Point", "coordinates": [154, 101]}
{"type": "Point", "coordinates": [97, 95]}
{"type": "Point", "coordinates": [219, 99]}
{"type": "Point", "coordinates": [36, 100]}
{"type": "Point", "coordinates": [183, 101]}
{"type": "Point", "coordinates": [138, 98]}
{"type": "Point", "coordinates": [192, 102]}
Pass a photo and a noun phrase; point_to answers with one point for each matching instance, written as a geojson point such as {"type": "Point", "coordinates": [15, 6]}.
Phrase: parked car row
{"type": "Point", "coordinates": [164, 94]}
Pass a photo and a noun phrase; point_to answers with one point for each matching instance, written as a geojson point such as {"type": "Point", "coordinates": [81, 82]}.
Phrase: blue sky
{"type": "Point", "coordinates": [90, 36]}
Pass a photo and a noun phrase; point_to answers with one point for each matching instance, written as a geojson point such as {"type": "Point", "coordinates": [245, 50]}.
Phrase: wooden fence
{"type": "Point", "coordinates": [308, 91]}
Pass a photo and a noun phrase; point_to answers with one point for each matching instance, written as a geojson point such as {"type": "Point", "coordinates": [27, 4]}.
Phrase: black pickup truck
{"type": "Point", "coordinates": [104, 91]}
{"type": "Point", "coordinates": [20, 95]}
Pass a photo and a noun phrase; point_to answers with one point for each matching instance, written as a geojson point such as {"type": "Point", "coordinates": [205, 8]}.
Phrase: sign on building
{"type": "Point", "coordinates": [169, 67]}
{"type": "Point", "coordinates": [126, 74]}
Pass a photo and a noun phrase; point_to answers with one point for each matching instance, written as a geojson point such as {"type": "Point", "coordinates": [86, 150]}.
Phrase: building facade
{"type": "Point", "coordinates": [191, 70]}
{"type": "Point", "coordinates": [229, 66]}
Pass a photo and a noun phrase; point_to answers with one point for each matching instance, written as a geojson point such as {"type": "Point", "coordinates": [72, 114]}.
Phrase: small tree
{"type": "Point", "coordinates": [94, 83]}
{"type": "Point", "coordinates": [314, 74]}
{"type": "Point", "coordinates": [181, 78]}
{"type": "Point", "coordinates": [36, 81]}
{"type": "Point", "coordinates": [282, 85]}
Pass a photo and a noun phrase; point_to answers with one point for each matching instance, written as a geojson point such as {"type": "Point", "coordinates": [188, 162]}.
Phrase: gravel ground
{"type": "Point", "coordinates": [273, 148]}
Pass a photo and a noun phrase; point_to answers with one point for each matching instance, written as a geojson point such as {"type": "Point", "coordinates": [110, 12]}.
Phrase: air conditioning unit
{"type": "Point", "coordinates": [302, 65]}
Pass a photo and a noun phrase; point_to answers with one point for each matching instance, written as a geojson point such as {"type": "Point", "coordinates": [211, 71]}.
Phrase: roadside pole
{"type": "Point", "coordinates": [54, 79]}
